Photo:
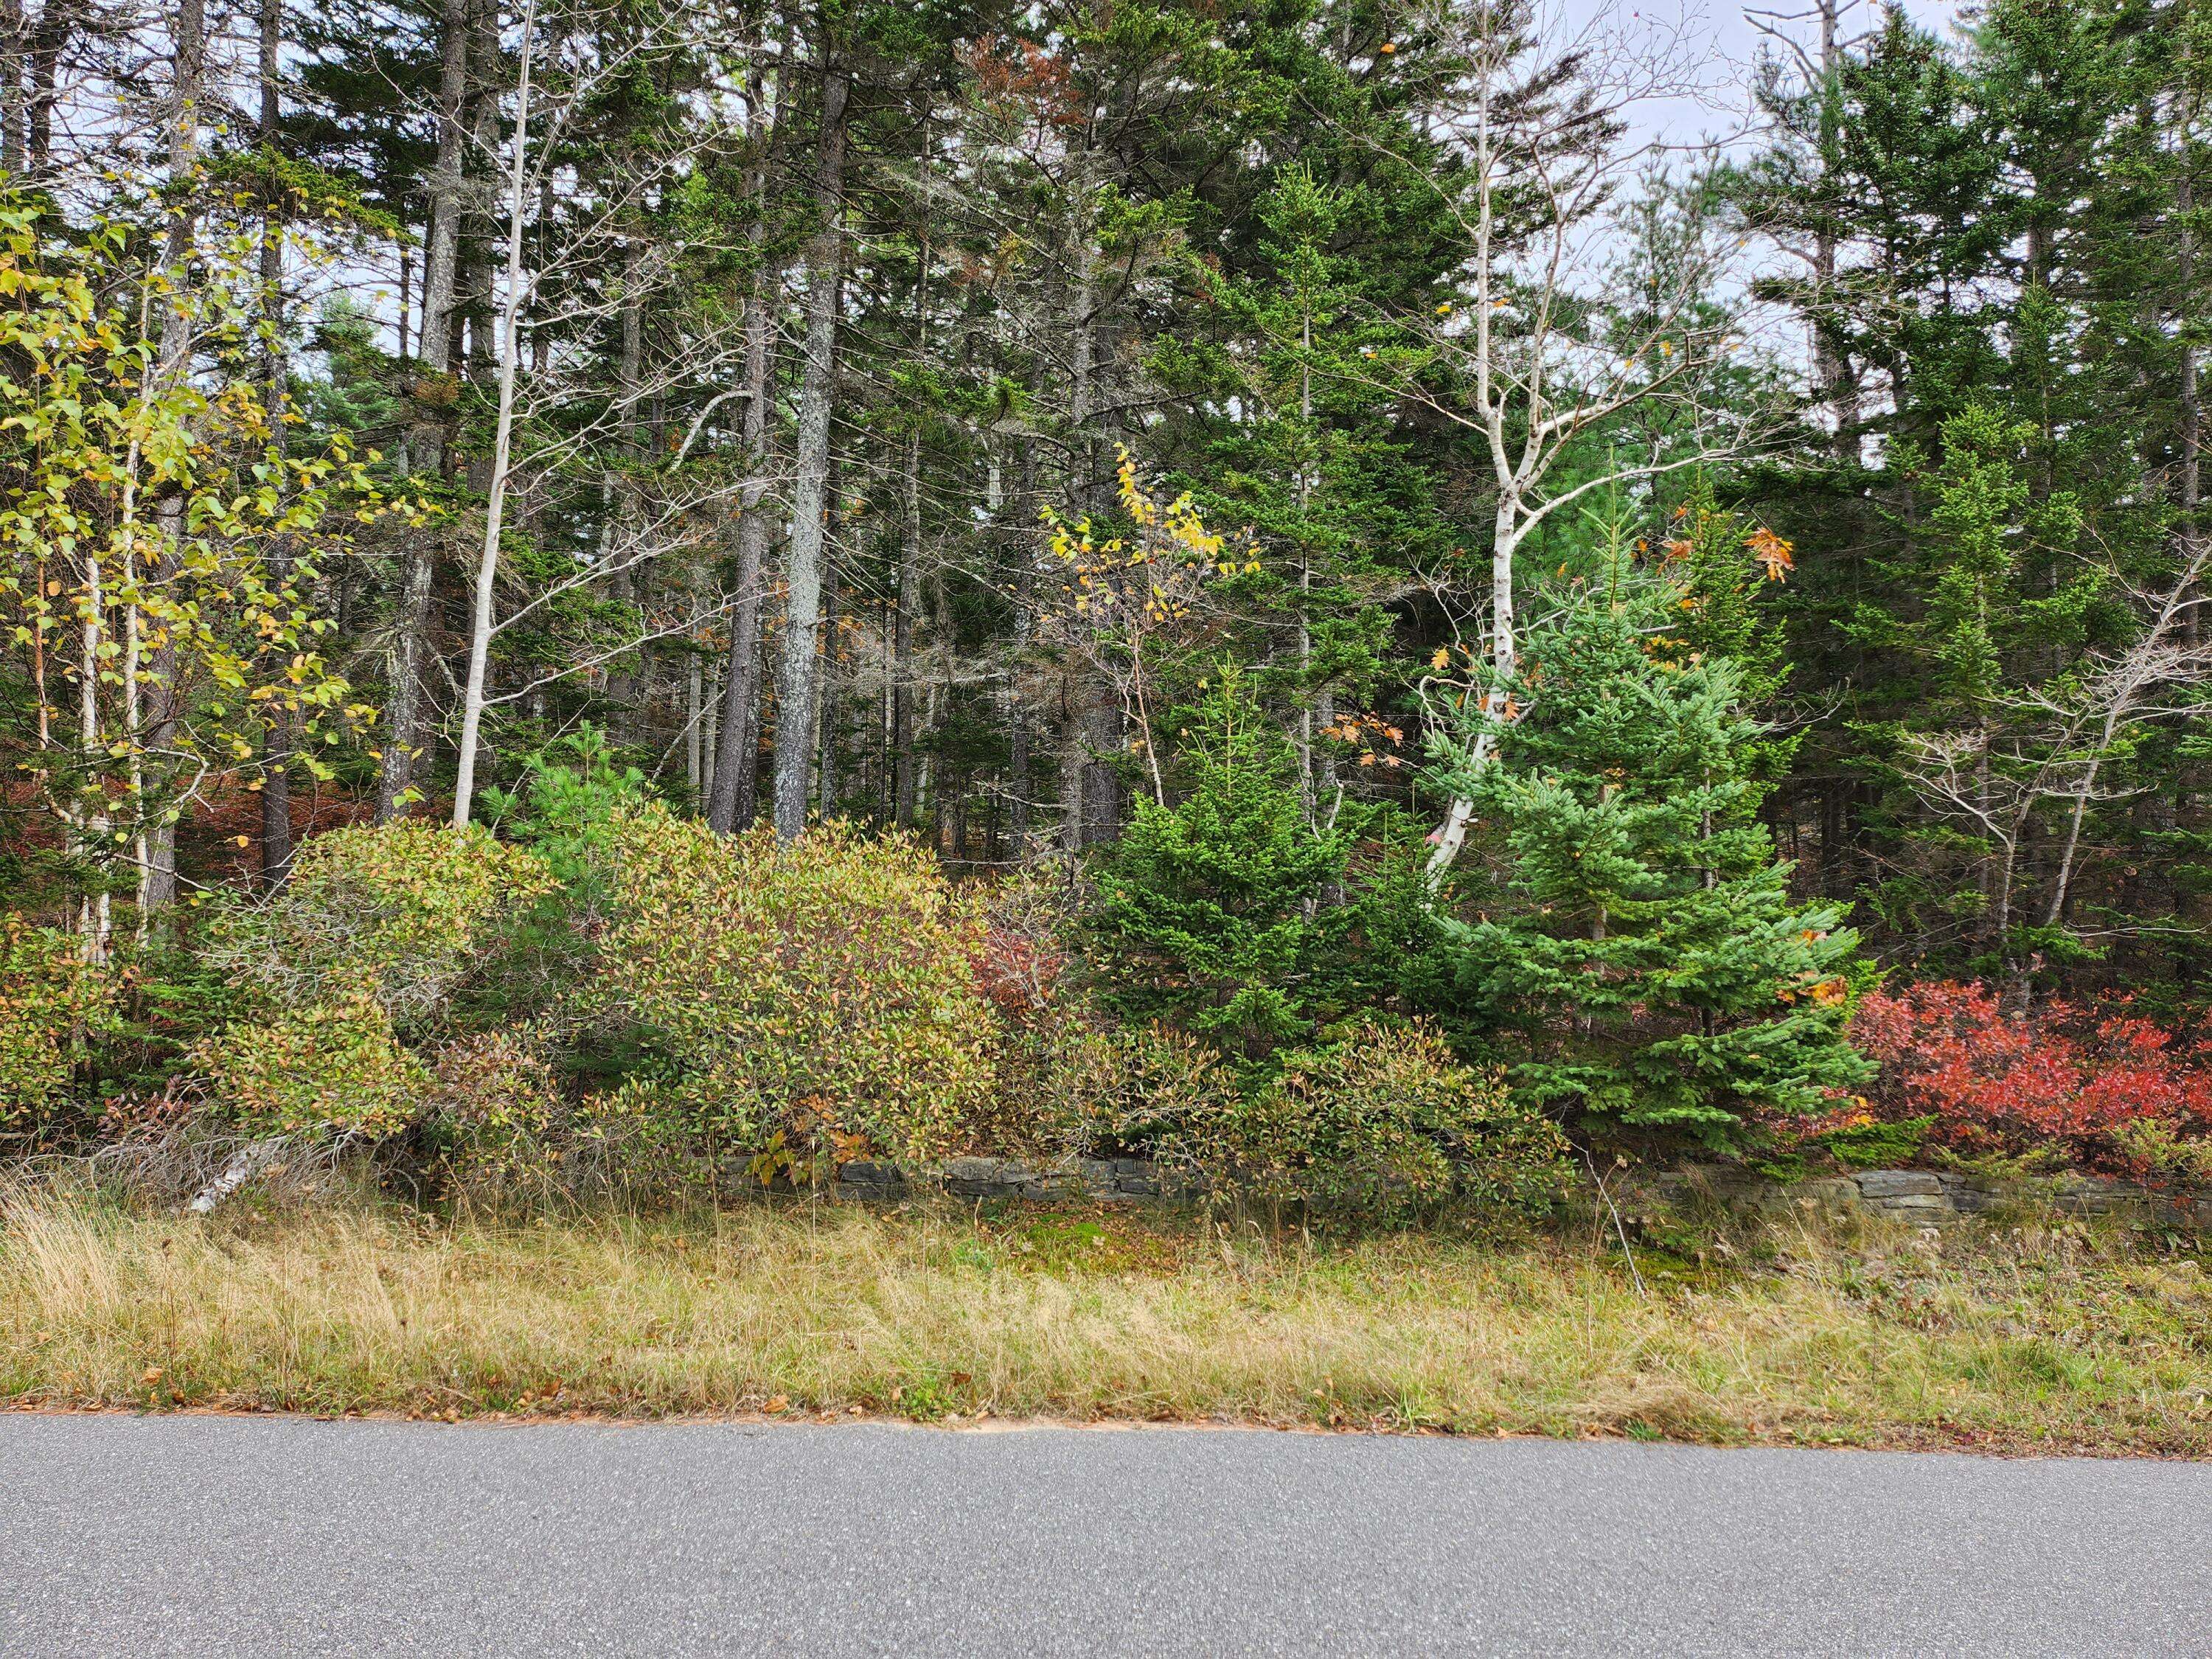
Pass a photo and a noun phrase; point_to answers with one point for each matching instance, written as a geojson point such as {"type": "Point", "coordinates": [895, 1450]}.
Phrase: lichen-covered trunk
{"type": "Point", "coordinates": [1504, 655]}
{"type": "Point", "coordinates": [800, 682]}
{"type": "Point", "coordinates": [909, 602]}
{"type": "Point", "coordinates": [733, 799]}
{"type": "Point", "coordinates": [157, 872]}
{"type": "Point", "coordinates": [278, 726]}
{"type": "Point", "coordinates": [407, 700]}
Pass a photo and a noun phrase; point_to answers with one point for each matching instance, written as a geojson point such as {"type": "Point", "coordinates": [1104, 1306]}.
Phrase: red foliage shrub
{"type": "Point", "coordinates": [2064, 1076]}
{"type": "Point", "coordinates": [1018, 956]}
{"type": "Point", "coordinates": [1018, 973]}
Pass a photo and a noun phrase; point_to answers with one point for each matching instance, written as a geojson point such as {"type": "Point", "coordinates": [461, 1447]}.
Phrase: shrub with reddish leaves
{"type": "Point", "coordinates": [1018, 975]}
{"type": "Point", "coordinates": [2065, 1076]}
{"type": "Point", "coordinates": [1018, 958]}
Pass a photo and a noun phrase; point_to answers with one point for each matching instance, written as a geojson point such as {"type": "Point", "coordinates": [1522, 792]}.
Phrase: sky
{"type": "Point", "coordinates": [1728, 44]}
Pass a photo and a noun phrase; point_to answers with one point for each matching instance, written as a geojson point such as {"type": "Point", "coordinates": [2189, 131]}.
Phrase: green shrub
{"type": "Point", "coordinates": [1146, 1089]}
{"type": "Point", "coordinates": [1386, 1121]}
{"type": "Point", "coordinates": [500, 1108]}
{"type": "Point", "coordinates": [1876, 1144]}
{"type": "Point", "coordinates": [403, 911]}
{"type": "Point", "coordinates": [1213, 913]}
{"type": "Point", "coordinates": [1375, 1126]}
{"type": "Point", "coordinates": [361, 950]}
{"type": "Point", "coordinates": [52, 1005]}
{"type": "Point", "coordinates": [330, 1067]}
{"type": "Point", "coordinates": [817, 1000]}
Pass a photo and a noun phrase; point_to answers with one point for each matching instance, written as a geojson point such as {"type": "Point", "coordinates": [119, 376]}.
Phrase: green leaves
{"type": "Point", "coordinates": [825, 991]}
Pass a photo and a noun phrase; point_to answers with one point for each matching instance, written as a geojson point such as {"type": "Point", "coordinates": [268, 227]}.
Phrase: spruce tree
{"type": "Point", "coordinates": [1645, 966]}
{"type": "Point", "coordinates": [1208, 912]}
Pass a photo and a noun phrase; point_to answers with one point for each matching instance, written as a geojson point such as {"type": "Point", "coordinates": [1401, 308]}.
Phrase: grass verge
{"type": "Point", "coordinates": [2039, 1337]}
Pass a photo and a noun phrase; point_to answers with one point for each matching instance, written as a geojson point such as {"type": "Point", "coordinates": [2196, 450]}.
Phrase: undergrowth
{"type": "Point", "coordinates": [2046, 1334]}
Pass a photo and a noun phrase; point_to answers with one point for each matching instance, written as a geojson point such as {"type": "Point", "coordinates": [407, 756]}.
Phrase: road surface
{"type": "Point", "coordinates": [239, 1536]}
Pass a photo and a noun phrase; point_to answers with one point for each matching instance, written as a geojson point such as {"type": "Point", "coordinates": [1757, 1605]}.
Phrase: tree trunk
{"type": "Point", "coordinates": [826, 785]}
{"type": "Point", "coordinates": [481, 628]}
{"type": "Point", "coordinates": [485, 94]}
{"type": "Point", "coordinates": [1105, 733]}
{"type": "Point", "coordinates": [58, 24]}
{"type": "Point", "coordinates": [427, 445]}
{"type": "Point", "coordinates": [277, 729]}
{"type": "Point", "coordinates": [2192, 434]}
{"type": "Point", "coordinates": [448, 185]}
{"type": "Point", "coordinates": [157, 874]}
{"type": "Point", "coordinates": [910, 603]}
{"type": "Point", "coordinates": [1071, 761]}
{"type": "Point", "coordinates": [630, 381]}
{"type": "Point", "coordinates": [733, 801]}
{"type": "Point", "coordinates": [1831, 371]}
{"type": "Point", "coordinates": [14, 90]}
{"type": "Point", "coordinates": [799, 684]}
{"type": "Point", "coordinates": [1020, 784]}
{"type": "Point", "coordinates": [1504, 656]}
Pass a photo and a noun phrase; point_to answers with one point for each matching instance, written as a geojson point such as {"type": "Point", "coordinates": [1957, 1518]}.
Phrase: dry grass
{"type": "Point", "coordinates": [2037, 1337]}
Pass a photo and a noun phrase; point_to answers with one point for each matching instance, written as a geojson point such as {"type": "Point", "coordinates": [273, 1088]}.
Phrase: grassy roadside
{"type": "Point", "coordinates": [2029, 1338]}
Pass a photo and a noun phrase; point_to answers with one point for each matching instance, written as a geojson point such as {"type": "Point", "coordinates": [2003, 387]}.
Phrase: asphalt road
{"type": "Point", "coordinates": [243, 1536]}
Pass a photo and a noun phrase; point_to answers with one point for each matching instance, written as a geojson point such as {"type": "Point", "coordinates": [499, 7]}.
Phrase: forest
{"type": "Point", "coordinates": [1377, 601]}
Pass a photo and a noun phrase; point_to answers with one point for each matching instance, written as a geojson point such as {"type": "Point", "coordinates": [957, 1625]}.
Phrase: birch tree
{"type": "Point", "coordinates": [1526, 357]}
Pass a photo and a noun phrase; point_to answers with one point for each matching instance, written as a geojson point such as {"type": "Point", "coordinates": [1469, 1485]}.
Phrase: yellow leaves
{"type": "Point", "coordinates": [1771, 553]}
{"type": "Point", "coordinates": [1441, 659]}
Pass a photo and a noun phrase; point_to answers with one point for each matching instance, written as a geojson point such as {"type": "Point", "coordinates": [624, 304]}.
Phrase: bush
{"type": "Point", "coordinates": [400, 911]}
{"type": "Point", "coordinates": [332, 1067]}
{"type": "Point", "coordinates": [1386, 1121]}
{"type": "Point", "coordinates": [811, 1001]}
{"type": "Point", "coordinates": [1381, 1123]}
{"type": "Point", "coordinates": [1019, 959]}
{"type": "Point", "coordinates": [498, 1106]}
{"type": "Point", "coordinates": [2064, 1078]}
{"type": "Point", "coordinates": [53, 1004]}
{"type": "Point", "coordinates": [364, 946]}
{"type": "Point", "coordinates": [1147, 1090]}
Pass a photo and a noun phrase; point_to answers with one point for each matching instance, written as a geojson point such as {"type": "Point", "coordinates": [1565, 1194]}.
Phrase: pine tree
{"type": "Point", "coordinates": [1207, 912]}
{"type": "Point", "coordinates": [1645, 965]}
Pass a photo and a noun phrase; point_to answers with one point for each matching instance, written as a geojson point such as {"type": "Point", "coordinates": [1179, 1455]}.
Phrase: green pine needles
{"type": "Point", "coordinates": [1645, 965]}
{"type": "Point", "coordinates": [1211, 914]}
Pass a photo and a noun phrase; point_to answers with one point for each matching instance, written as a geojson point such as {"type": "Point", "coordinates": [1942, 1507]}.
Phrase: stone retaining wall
{"type": "Point", "coordinates": [1126, 1178]}
{"type": "Point", "coordinates": [1927, 1198]}
{"type": "Point", "coordinates": [1920, 1198]}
